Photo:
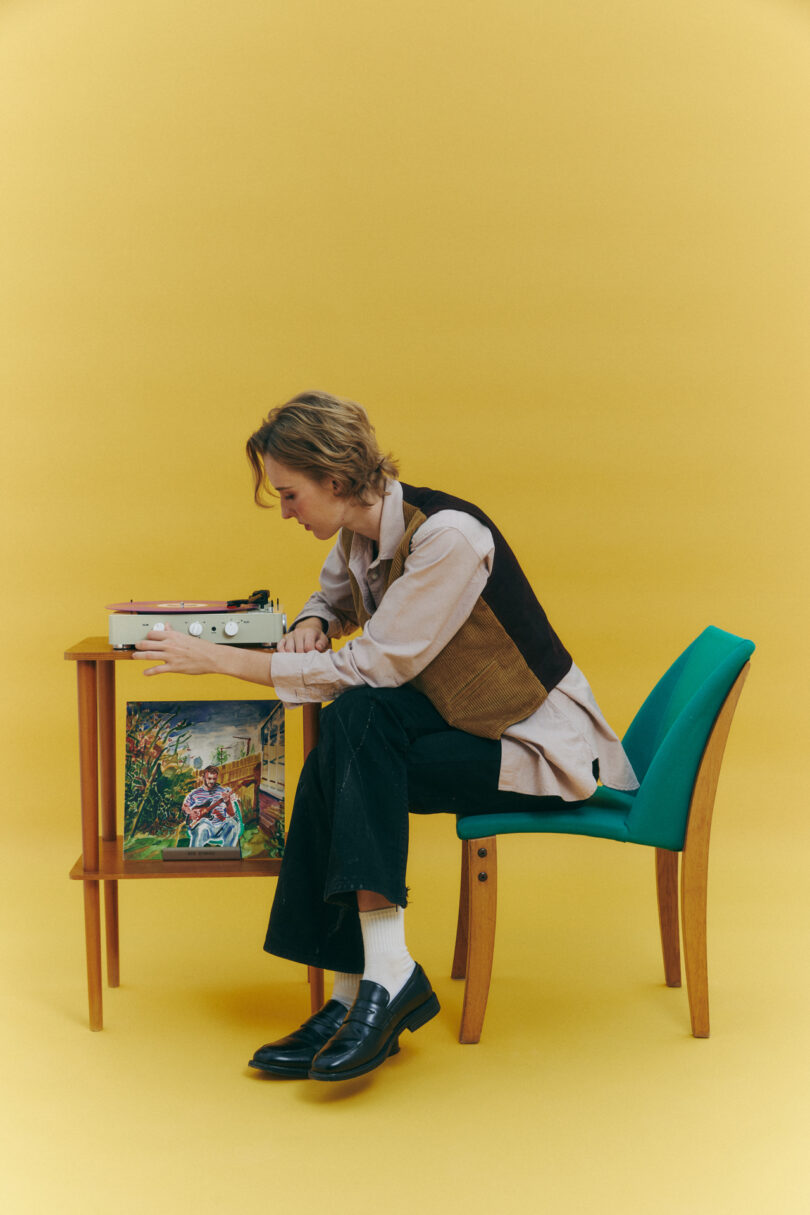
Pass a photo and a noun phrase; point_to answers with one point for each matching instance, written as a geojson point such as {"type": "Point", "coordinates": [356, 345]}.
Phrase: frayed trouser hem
{"type": "Point", "coordinates": [342, 891]}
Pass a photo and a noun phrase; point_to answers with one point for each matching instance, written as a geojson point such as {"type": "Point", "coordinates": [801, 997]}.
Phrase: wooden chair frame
{"type": "Point", "coordinates": [475, 933]}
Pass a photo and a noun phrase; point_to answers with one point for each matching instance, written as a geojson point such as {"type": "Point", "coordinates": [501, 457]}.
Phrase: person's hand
{"type": "Point", "coordinates": [306, 636]}
{"type": "Point", "coordinates": [178, 653]}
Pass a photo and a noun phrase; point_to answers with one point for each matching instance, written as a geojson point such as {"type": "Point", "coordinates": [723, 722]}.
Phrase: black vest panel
{"type": "Point", "coordinates": [507, 592]}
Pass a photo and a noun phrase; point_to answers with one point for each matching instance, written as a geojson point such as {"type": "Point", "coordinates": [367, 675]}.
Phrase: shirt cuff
{"type": "Point", "coordinates": [287, 672]}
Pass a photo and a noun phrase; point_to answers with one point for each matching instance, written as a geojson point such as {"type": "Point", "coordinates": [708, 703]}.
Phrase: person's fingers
{"type": "Point", "coordinates": [302, 641]}
{"type": "Point", "coordinates": [157, 634]}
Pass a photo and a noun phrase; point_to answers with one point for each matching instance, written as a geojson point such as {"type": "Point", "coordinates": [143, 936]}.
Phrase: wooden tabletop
{"type": "Point", "coordinates": [98, 649]}
{"type": "Point", "coordinates": [95, 649]}
{"type": "Point", "coordinates": [114, 866]}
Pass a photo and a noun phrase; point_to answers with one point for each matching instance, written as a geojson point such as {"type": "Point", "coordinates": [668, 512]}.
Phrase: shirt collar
{"type": "Point", "coordinates": [392, 521]}
{"type": "Point", "coordinates": [392, 529]}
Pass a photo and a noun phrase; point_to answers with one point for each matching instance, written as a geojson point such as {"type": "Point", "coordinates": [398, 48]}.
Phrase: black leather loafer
{"type": "Point", "coordinates": [293, 1055]}
{"type": "Point", "coordinates": [370, 1032]}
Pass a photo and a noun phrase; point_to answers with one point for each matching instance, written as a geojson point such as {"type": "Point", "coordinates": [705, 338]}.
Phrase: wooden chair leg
{"type": "Point", "coordinates": [695, 863]}
{"type": "Point", "coordinates": [482, 899]}
{"type": "Point", "coordinates": [666, 881]}
{"type": "Point", "coordinates": [694, 876]}
{"type": "Point", "coordinates": [459, 970]}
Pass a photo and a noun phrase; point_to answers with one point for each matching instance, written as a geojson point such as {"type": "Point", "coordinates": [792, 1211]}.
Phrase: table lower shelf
{"type": "Point", "coordinates": [113, 867]}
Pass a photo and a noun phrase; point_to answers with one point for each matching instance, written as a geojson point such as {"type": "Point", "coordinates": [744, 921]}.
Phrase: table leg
{"type": "Point", "coordinates": [88, 762]}
{"type": "Point", "coordinates": [111, 933]}
{"type": "Point", "coordinates": [88, 767]}
{"type": "Point", "coordinates": [315, 978]}
{"type": "Point", "coordinates": [312, 719]}
{"type": "Point", "coordinates": [106, 747]}
{"type": "Point", "coordinates": [312, 715]}
{"type": "Point", "coordinates": [92, 934]}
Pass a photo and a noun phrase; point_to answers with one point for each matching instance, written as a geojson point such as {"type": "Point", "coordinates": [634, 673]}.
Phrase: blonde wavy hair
{"type": "Point", "coordinates": [321, 436]}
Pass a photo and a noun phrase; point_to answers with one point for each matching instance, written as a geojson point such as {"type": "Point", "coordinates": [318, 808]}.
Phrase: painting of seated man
{"type": "Point", "coordinates": [204, 775]}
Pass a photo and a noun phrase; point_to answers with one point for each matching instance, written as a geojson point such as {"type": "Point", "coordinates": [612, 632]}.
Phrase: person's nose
{"type": "Point", "coordinates": [286, 510]}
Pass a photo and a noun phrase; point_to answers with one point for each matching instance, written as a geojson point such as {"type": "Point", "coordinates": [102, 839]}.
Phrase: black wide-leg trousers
{"type": "Point", "coordinates": [382, 752]}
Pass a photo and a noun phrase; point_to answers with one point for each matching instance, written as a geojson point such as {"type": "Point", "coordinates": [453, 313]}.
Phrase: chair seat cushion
{"type": "Point", "coordinates": [604, 815]}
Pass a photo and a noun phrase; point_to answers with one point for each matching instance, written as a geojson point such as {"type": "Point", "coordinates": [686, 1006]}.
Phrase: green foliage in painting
{"type": "Point", "coordinates": [158, 775]}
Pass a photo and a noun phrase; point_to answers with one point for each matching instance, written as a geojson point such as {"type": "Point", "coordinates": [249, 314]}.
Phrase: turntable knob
{"type": "Point", "coordinates": [160, 627]}
{"type": "Point", "coordinates": [231, 628]}
{"type": "Point", "coordinates": [195, 628]}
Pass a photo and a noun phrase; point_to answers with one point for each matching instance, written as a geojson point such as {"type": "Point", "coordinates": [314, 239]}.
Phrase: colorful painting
{"type": "Point", "coordinates": [204, 774]}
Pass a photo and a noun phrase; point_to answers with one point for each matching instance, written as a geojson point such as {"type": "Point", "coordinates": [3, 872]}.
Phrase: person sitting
{"type": "Point", "coordinates": [454, 653]}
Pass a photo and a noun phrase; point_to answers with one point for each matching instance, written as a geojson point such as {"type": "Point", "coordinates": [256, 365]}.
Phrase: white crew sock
{"type": "Point", "coordinates": [345, 987]}
{"type": "Point", "coordinates": [387, 959]}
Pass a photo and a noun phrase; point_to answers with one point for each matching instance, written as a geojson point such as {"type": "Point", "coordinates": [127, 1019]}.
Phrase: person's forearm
{"type": "Point", "coordinates": [179, 654]}
{"type": "Point", "coordinates": [251, 665]}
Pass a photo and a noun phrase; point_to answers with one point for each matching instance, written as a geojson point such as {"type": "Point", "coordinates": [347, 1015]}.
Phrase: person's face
{"type": "Point", "coordinates": [210, 779]}
{"type": "Point", "coordinates": [316, 505]}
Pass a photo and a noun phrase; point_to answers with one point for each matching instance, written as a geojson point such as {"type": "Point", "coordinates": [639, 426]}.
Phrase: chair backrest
{"type": "Point", "coordinates": [667, 737]}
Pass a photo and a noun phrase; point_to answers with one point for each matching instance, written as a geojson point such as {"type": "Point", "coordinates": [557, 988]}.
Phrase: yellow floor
{"type": "Point", "coordinates": [586, 1093]}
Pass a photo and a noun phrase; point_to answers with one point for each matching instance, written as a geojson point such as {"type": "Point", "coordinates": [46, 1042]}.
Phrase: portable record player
{"type": "Point", "coordinates": [252, 621]}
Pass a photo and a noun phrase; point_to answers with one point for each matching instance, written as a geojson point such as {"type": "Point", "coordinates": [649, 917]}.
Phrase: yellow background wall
{"type": "Point", "coordinates": [560, 251]}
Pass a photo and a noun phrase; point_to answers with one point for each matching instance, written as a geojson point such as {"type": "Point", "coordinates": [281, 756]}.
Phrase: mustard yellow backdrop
{"type": "Point", "coordinates": [559, 250]}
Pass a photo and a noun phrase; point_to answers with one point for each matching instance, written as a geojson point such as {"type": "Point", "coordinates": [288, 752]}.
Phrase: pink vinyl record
{"type": "Point", "coordinates": [176, 606]}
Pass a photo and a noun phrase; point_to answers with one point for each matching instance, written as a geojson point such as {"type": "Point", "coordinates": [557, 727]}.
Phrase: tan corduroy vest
{"type": "Point", "coordinates": [480, 682]}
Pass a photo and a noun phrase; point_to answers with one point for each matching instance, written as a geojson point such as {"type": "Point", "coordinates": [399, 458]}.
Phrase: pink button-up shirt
{"type": "Point", "coordinates": [549, 753]}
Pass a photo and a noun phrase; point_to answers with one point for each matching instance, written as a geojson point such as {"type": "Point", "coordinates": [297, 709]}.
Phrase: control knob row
{"type": "Point", "coordinates": [231, 628]}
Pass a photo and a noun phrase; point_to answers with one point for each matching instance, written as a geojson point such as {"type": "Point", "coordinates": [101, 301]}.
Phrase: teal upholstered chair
{"type": "Point", "coordinates": [675, 744]}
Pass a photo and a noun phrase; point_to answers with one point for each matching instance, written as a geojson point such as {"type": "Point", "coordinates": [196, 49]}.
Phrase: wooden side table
{"type": "Point", "coordinates": [102, 859]}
